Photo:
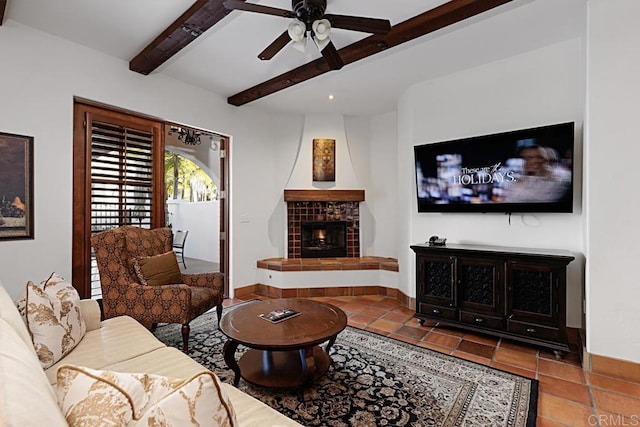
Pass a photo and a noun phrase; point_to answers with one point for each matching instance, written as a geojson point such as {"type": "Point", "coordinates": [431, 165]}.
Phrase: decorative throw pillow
{"type": "Point", "coordinates": [158, 270]}
{"type": "Point", "coordinates": [91, 397]}
{"type": "Point", "coordinates": [21, 301]}
{"type": "Point", "coordinates": [52, 313]}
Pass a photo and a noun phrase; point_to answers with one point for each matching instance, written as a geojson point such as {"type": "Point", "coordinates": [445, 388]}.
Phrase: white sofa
{"type": "Point", "coordinates": [27, 392]}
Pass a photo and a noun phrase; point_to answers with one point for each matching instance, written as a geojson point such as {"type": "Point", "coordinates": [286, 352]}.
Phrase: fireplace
{"type": "Point", "coordinates": [329, 210]}
{"type": "Point", "coordinates": [323, 239]}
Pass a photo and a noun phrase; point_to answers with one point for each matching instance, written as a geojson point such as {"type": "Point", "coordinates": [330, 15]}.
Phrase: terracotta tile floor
{"type": "Point", "coordinates": [568, 396]}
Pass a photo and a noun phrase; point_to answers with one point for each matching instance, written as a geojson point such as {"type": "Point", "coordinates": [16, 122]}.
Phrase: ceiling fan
{"type": "Point", "coordinates": [310, 22]}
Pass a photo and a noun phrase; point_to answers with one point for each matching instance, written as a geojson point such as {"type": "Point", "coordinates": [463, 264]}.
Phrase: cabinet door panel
{"type": "Point", "coordinates": [533, 291]}
{"type": "Point", "coordinates": [436, 280]}
{"type": "Point", "coordinates": [480, 285]}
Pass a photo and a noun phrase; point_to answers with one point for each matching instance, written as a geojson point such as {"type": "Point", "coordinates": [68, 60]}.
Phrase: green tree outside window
{"type": "Point", "coordinates": [184, 180]}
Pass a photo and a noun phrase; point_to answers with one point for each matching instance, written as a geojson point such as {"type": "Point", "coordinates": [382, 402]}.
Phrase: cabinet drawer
{"type": "Point", "coordinates": [482, 320]}
{"type": "Point", "coordinates": [534, 331]}
{"type": "Point", "coordinates": [437, 311]}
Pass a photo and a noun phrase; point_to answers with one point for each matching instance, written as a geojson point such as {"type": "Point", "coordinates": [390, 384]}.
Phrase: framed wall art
{"type": "Point", "coordinates": [324, 159]}
{"type": "Point", "coordinates": [16, 186]}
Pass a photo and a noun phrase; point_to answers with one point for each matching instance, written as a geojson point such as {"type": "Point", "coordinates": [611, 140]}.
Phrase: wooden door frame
{"type": "Point", "coordinates": [81, 211]}
{"type": "Point", "coordinates": [80, 157]}
{"type": "Point", "coordinates": [225, 203]}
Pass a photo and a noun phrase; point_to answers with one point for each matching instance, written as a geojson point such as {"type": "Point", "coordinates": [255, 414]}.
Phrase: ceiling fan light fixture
{"type": "Point", "coordinates": [321, 29]}
{"type": "Point", "coordinates": [297, 30]}
{"type": "Point", "coordinates": [321, 43]}
{"type": "Point", "coordinates": [301, 45]}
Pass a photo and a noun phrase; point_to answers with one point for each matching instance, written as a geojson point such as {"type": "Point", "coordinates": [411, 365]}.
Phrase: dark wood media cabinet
{"type": "Point", "coordinates": [513, 293]}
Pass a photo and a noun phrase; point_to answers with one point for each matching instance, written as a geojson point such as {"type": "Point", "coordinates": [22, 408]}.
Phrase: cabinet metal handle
{"type": "Point", "coordinates": [436, 311]}
{"type": "Point", "coordinates": [531, 330]}
{"type": "Point", "coordinates": [479, 320]}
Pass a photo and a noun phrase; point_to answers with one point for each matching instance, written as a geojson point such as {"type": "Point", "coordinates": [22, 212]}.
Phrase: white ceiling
{"type": "Point", "coordinates": [224, 59]}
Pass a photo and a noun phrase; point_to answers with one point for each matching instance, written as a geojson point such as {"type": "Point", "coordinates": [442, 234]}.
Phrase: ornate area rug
{"type": "Point", "coordinates": [379, 381]}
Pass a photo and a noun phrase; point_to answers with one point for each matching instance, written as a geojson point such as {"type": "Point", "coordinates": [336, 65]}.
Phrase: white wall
{"type": "Point", "coordinates": [257, 187]}
{"type": "Point", "coordinates": [612, 202]}
{"type": "Point", "coordinates": [328, 278]}
{"type": "Point", "coordinates": [202, 221]}
{"type": "Point", "coordinates": [365, 159]}
{"type": "Point", "coordinates": [329, 126]}
{"type": "Point", "coordinates": [41, 74]}
{"type": "Point", "coordinates": [536, 88]}
{"type": "Point", "coordinates": [374, 142]}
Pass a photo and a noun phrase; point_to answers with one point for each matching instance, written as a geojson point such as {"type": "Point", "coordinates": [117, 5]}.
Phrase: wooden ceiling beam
{"type": "Point", "coordinates": [3, 6]}
{"type": "Point", "coordinates": [201, 16]}
{"type": "Point", "coordinates": [420, 25]}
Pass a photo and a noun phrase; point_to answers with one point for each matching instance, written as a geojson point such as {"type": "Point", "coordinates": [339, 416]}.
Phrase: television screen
{"type": "Point", "coordinates": [529, 170]}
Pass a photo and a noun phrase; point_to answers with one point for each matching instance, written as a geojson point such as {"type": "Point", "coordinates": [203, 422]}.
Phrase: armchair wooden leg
{"type": "Point", "coordinates": [185, 337]}
{"type": "Point", "coordinates": [219, 313]}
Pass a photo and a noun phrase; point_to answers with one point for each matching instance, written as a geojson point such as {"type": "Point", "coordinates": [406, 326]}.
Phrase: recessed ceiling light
{"type": "Point", "coordinates": [330, 97]}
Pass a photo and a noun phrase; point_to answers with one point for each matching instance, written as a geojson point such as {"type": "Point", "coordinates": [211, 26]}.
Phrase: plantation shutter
{"type": "Point", "coordinates": [118, 175]}
{"type": "Point", "coordinates": [121, 181]}
{"type": "Point", "coordinates": [121, 176]}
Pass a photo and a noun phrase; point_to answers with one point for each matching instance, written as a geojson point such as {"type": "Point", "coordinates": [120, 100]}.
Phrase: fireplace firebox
{"type": "Point", "coordinates": [322, 239]}
{"type": "Point", "coordinates": [323, 205]}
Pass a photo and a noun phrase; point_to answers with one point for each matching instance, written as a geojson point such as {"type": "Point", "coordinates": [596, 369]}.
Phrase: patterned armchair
{"type": "Point", "coordinates": [122, 294]}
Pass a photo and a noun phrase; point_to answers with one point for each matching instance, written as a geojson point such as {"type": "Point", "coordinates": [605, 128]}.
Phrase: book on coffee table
{"type": "Point", "coordinates": [279, 315]}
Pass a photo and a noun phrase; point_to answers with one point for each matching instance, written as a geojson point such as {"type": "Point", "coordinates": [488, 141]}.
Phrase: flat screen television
{"type": "Point", "coordinates": [528, 170]}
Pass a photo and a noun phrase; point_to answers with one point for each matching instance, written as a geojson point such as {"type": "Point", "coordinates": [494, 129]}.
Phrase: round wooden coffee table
{"type": "Point", "coordinates": [284, 354]}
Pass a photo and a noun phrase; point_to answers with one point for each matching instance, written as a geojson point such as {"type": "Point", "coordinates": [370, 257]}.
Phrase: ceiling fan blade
{"type": "Point", "coordinates": [258, 8]}
{"type": "Point", "coordinates": [359, 23]}
{"type": "Point", "coordinates": [331, 55]}
{"type": "Point", "coordinates": [276, 46]}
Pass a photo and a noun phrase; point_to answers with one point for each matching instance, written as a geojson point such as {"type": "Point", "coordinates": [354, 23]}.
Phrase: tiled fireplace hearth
{"type": "Point", "coordinates": [323, 211]}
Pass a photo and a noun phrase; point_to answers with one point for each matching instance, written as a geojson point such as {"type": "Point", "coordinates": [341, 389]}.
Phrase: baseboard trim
{"type": "Point", "coordinates": [338, 291]}
{"type": "Point", "coordinates": [607, 366]}
{"type": "Point", "coordinates": [612, 367]}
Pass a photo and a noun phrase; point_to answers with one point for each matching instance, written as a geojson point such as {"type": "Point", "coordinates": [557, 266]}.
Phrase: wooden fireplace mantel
{"type": "Point", "coordinates": [324, 195]}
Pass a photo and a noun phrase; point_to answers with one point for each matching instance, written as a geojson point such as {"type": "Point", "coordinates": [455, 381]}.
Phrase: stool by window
{"type": "Point", "coordinates": [179, 238]}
